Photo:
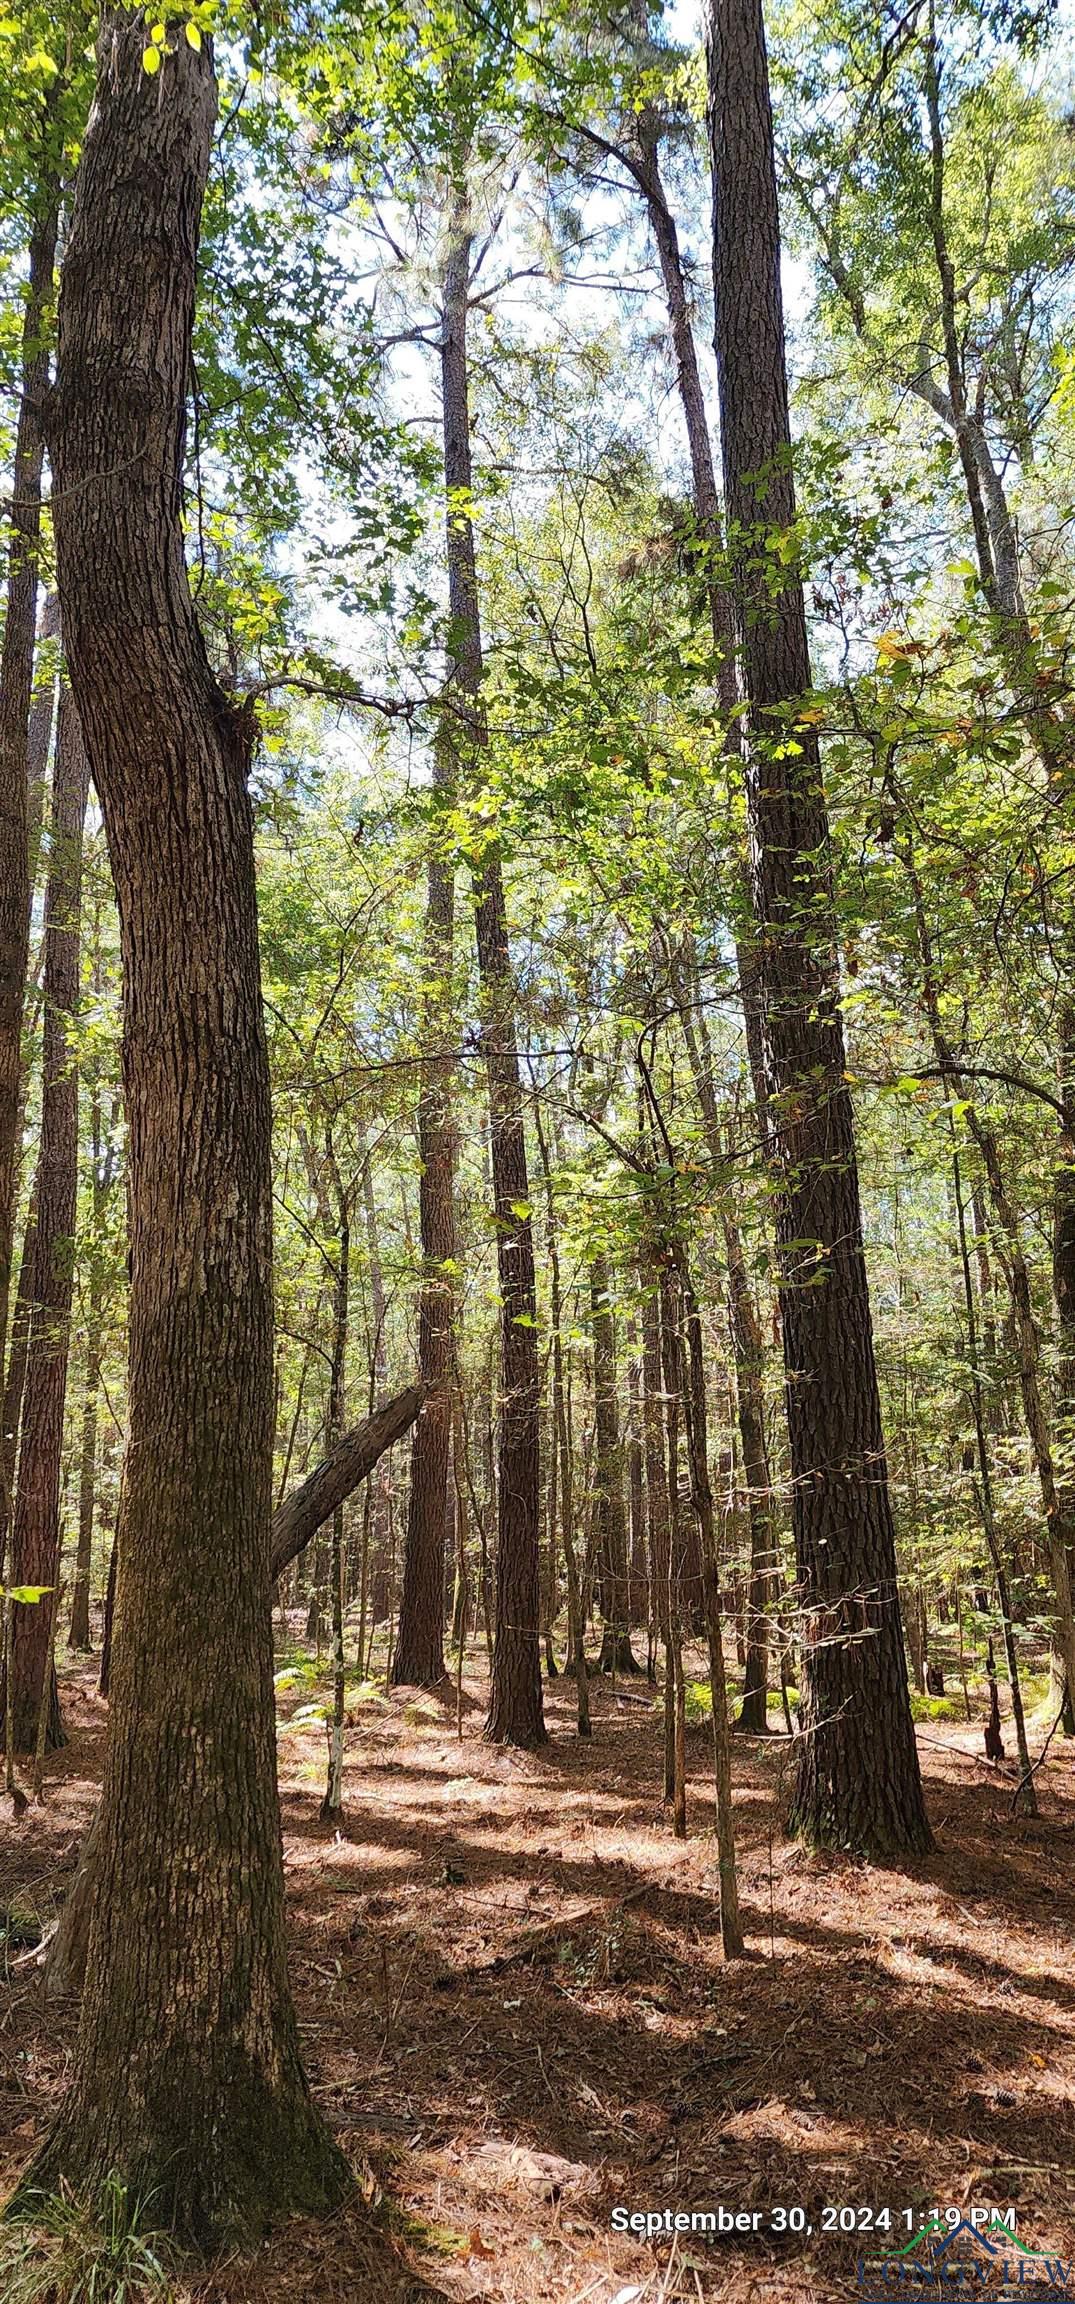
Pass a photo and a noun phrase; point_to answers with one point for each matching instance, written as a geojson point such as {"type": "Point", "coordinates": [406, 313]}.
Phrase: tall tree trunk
{"type": "Point", "coordinates": [15, 1376]}
{"type": "Point", "coordinates": [748, 1358]}
{"type": "Point", "coordinates": [186, 2082]}
{"type": "Point", "coordinates": [79, 1631]}
{"type": "Point", "coordinates": [858, 1781]}
{"type": "Point", "coordinates": [104, 1176]}
{"type": "Point", "coordinates": [35, 1539]}
{"type": "Point", "coordinates": [16, 688]}
{"type": "Point", "coordinates": [38, 746]}
{"type": "Point", "coordinates": [39, 730]}
{"type": "Point", "coordinates": [658, 1513]}
{"type": "Point", "coordinates": [745, 1333]}
{"type": "Point", "coordinates": [419, 1656]}
{"type": "Point", "coordinates": [636, 1484]}
{"type": "Point", "coordinates": [576, 1638]}
{"type": "Point", "coordinates": [675, 1722]}
{"type": "Point", "coordinates": [1026, 1798]}
{"type": "Point", "coordinates": [1064, 1294]}
{"type": "Point", "coordinates": [695, 1411]}
{"type": "Point", "coordinates": [617, 1654]}
{"type": "Point", "coordinates": [332, 1803]}
{"type": "Point", "coordinates": [515, 1708]}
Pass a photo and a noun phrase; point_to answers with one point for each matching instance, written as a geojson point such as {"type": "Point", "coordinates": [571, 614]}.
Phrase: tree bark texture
{"type": "Point", "coordinates": [187, 2080]}
{"type": "Point", "coordinates": [858, 1780]}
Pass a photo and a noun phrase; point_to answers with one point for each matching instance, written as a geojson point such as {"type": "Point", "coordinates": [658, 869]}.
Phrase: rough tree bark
{"type": "Point", "coordinates": [35, 1540]}
{"type": "Point", "coordinates": [858, 1781]}
{"type": "Point", "coordinates": [295, 1521]}
{"type": "Point", "coordinates": [187, 2081]}
{"type": "Point", "coordinates": [644, 160]}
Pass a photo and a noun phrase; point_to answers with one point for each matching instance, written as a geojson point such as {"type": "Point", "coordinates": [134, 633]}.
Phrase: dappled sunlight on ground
{"type": "Point", "coordinates": [516, 2014]}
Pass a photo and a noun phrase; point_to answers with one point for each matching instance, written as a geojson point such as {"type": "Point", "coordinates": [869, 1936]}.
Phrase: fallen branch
{"type": "Point", "coordinates": [549, 1930]}
{"type": "Point", "coordinates": [294, 1522]}
{"type": "Point", "coordinates": [308, 1507]}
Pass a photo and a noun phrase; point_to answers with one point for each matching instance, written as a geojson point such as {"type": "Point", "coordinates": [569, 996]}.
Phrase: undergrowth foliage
{"type": "Point", "coordinates": [63, 2250]}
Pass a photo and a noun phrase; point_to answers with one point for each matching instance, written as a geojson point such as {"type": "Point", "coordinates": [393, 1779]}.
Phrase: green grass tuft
{"type": "Point", "coordinates": [935, 1707]}
{"type": "Point", "coordinates": [58, 2250]}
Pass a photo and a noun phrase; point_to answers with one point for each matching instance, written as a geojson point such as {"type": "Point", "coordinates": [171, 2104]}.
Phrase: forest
{"type": "Point", "coordinates": [537, 1151]}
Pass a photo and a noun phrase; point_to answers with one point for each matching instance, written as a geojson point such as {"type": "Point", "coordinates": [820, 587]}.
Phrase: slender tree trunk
{"type": "Point", "coordinates": [382, 1491]}
{"type": "Point", "coordinates": [745, 1334]}
{"type": "Point", "coordinates": [104, 1169]}
{"type": "Point", "coordinates": [38, 745]}
{"type": "Point", "coordinates": [1064, 1294]}
{"type": "Point", "coordinates": [79, 1632]}
{"type": "Point", "coordinates": [695, 1408]}
{"type": "Point", "coordinates": [675, 1694]}
{"type": "Point", "coordinates": [1026, 1797]}
{"type": "Point", "coordinates": [657, 1493]}
{"type": "Point", "coordinates": [104, 1678]}
{"type": "Point", "coordinates": [550, 1575]}
{"type": "Point", "coordinates": [40, 727]}
{"type": "Point", "coordinates": [576, 1631]}
{"type": "Point", "coordinates": [749, 1362]}
{"type": "Point", "coordinates": [35, 1541]}
{"type": "Point", "coordinates": [515, 1709]}
{"type": "Point", "coordinates": [186, 2081]}
{"type": "Point", "coordinates": [16, 689]}
{"type": "Point", "coordinates": [617, 1654]}
{"type": "Point", "coordinates": [746, 1338]}
{"type": "Point", "coordinates": [636, 1485]}
{"type": "Point", "coordinates": [332, 1803]}
{"type": "Point", "coordinates": [858, 1782]}
{"type": "Point", "coordinates": [419, 1654]}
{"type": "Point", "coordinates": [15, 1377]}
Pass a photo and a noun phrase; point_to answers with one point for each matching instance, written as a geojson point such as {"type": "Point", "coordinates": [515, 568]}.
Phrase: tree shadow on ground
{"type": "Point", "coordinates": [504, 1960]}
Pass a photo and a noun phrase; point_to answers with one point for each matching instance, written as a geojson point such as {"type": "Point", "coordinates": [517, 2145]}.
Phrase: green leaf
{"type": "Point", "coordinates": [151, 59]}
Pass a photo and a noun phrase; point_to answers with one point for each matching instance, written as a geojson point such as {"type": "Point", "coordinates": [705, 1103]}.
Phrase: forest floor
{"type": "Point", "coordinates": [516, 2014]}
